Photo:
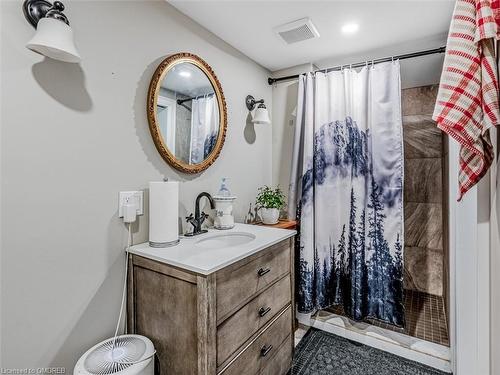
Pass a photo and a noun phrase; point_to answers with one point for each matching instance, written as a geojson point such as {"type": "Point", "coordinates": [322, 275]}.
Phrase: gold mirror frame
{"type": "Point", "coordinates": [154, 89]}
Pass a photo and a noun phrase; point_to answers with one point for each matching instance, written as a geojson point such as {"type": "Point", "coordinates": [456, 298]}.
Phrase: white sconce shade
{"type": "Point", "coordinates": [54, 39]}
{"type": "Point", "coordinates": [261, 115]}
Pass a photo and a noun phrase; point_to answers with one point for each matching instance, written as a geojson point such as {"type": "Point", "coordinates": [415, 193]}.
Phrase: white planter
{"type": "Point", "coordinates": [269, 215]}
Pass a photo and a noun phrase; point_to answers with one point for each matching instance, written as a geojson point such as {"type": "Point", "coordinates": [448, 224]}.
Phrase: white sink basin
{"type": "Point", "coordinates": [225, 240]}
{"type": "Point", "coordinates": [212, 251]}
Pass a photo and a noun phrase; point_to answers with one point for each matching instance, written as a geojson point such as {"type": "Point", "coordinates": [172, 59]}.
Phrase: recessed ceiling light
{"type": "Point", "coordinates": [185, 74]}
{"type": "Point", "coordinates": [350, 28]}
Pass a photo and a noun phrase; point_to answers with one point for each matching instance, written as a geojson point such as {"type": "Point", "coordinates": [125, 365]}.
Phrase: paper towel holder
{"type": "Point", "coordinates": [163, 244]}
{"type": "Point", "coordinates": [157, 236]}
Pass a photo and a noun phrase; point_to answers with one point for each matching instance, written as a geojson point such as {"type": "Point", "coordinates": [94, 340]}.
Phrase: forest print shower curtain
{"type": "Point", "coordinates": [346, 190]}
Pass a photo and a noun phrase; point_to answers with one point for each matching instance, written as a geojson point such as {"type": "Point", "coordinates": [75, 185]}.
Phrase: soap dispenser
{"type": "Point", "coordinates": [224, 218]}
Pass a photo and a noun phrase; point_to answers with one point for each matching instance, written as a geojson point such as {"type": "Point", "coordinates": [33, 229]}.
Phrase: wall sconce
{"type": "Point", "coordinates": [54, 36]}
{"type": "Point", "coordinates": [261, 116]}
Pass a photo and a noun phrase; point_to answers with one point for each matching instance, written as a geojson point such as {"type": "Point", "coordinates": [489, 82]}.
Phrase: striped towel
{"type": "Point", "coordinates": [467, 101]}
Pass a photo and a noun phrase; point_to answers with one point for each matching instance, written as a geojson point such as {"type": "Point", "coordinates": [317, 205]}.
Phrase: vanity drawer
{"type": "Point", "coordinates": [282, 360]}
{"type": "Point", "coordinates": [257, 358]}
{"type": "Point", "coordinates": [237, 284]}
{"type": "Point", "coordinates": [251, 318]}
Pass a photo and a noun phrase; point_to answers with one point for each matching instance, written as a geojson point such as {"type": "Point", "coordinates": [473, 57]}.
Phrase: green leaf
{"type": "Point", "coordinates": [270, 198]}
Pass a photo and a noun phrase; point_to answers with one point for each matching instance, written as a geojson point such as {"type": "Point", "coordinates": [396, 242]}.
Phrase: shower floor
{"type": "Point", "coordinates": [425, 318]}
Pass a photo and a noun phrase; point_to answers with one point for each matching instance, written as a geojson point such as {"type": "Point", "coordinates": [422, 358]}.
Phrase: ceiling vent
{"type": "Point", "coordinates": [297, 31]}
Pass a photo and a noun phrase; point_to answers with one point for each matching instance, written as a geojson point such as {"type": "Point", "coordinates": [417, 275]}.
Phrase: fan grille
{"type": "Point", "coordinates": [297, 31]}
{"type": "Point", "coordinates": [128, 350]}
{"type": "Point", "coordinates": [297, 35]}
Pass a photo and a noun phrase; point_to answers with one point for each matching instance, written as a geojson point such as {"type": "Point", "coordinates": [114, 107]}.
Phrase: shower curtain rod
{"type": "Point", "coordinates": [180, 101]}
{"type": "Point", "coordinates": [361, 64]}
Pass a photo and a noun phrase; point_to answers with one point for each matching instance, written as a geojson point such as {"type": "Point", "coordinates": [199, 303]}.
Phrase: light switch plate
{"type": "Point", "coordinates": [137, 196]}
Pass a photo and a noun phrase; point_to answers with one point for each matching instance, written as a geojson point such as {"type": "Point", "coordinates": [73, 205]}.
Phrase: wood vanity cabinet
{"type": "Point", "coordinates": [237, 320]}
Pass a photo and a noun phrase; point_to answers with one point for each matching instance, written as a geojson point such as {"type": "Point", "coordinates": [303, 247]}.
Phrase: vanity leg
{"type": "Point", "coordinates": [130, 328]}
{"type": "Point", "coordinates": [207, 325]}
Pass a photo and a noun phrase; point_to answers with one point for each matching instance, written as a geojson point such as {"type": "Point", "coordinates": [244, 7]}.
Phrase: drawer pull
{"type": "Point", "coordinates": [265, 350]}
{"type": "Point", "coordinates": [264, 310]}
{"type": "Point", "coordinates": [262, 271]}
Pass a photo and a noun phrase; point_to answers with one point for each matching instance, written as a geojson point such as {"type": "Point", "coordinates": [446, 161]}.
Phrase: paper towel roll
{"type": "Point", "coordinates": [163, 213]}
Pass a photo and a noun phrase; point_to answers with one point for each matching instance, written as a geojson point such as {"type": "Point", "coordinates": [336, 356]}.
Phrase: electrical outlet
{"type": "Point", "coordinates": [138, 198]}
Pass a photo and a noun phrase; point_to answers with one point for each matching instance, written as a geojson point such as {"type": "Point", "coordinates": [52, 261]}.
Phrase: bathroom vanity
{"type": "Point", "coordinates": [218, 303]}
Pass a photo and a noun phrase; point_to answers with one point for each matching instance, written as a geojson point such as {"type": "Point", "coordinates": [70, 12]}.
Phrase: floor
{"type": "Point", "coordinates": [300, 332]}
{"type": "Point", "coordinates": [425, 318]}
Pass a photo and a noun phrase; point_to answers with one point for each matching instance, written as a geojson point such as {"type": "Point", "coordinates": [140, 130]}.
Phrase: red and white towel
{"type": "Point", "coordinates": [467, 102]}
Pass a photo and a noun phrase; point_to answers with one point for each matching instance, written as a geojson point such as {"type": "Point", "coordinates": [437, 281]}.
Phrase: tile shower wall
{"type": "Point", "coordinates": [183, 129]}
{"type": "Point", "coordinates": [424, 195]}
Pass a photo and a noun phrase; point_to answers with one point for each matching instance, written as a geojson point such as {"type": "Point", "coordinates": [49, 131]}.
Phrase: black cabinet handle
{"type": "Point", "coordinates": [264, 310]}
{"type": "Point", "coordinates": [262, 271]}
{"type": "Point", "coordinates": [265, 350]}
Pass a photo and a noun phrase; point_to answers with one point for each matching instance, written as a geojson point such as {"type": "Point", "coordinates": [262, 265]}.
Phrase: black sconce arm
{"type": "Point", "coordinates": [251, 102]}
{"type": "Point", "coordinates": [34, 10]}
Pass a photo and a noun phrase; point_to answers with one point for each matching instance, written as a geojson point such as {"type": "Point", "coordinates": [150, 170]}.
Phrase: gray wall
{"type": "Point", "coordinates": [283, 124]}
{"type": "Point", "coordinates": [72, 137]}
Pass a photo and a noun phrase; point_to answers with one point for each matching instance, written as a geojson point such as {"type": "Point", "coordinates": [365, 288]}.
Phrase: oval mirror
{"type": "Point", "coordinates": [187, 112]}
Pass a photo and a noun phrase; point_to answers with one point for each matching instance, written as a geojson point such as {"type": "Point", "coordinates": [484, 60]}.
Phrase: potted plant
{"type": "Point", "coordinates": [269, 202]}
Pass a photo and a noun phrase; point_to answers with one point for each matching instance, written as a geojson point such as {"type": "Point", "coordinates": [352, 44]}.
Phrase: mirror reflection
{"type": "Point", "coordinates": [188, 113]}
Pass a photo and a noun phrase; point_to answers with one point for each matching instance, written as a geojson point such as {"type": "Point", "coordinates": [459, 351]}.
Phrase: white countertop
{"type": "Point", "coordinates": [189, 256]}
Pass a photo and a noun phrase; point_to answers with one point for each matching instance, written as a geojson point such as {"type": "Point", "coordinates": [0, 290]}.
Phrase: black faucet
{"type": "Point", "coordinates": [198, 218]}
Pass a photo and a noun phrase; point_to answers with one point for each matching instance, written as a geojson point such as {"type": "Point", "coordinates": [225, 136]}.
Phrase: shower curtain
{"type": "Point", "coordinates": [204, 127]}
{"type": "Point", "coordinates": [346, 191]}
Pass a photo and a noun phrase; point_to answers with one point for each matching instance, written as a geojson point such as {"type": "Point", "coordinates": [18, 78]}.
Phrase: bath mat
{"type": "Point", "coordinates": [322, 353]}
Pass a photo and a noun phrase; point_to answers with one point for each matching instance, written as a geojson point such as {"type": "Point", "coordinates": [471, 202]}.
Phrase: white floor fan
{"type": "Point", "coordinates": [131, 355]}
{"type": "Point", "coordinates": [119, 355]}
